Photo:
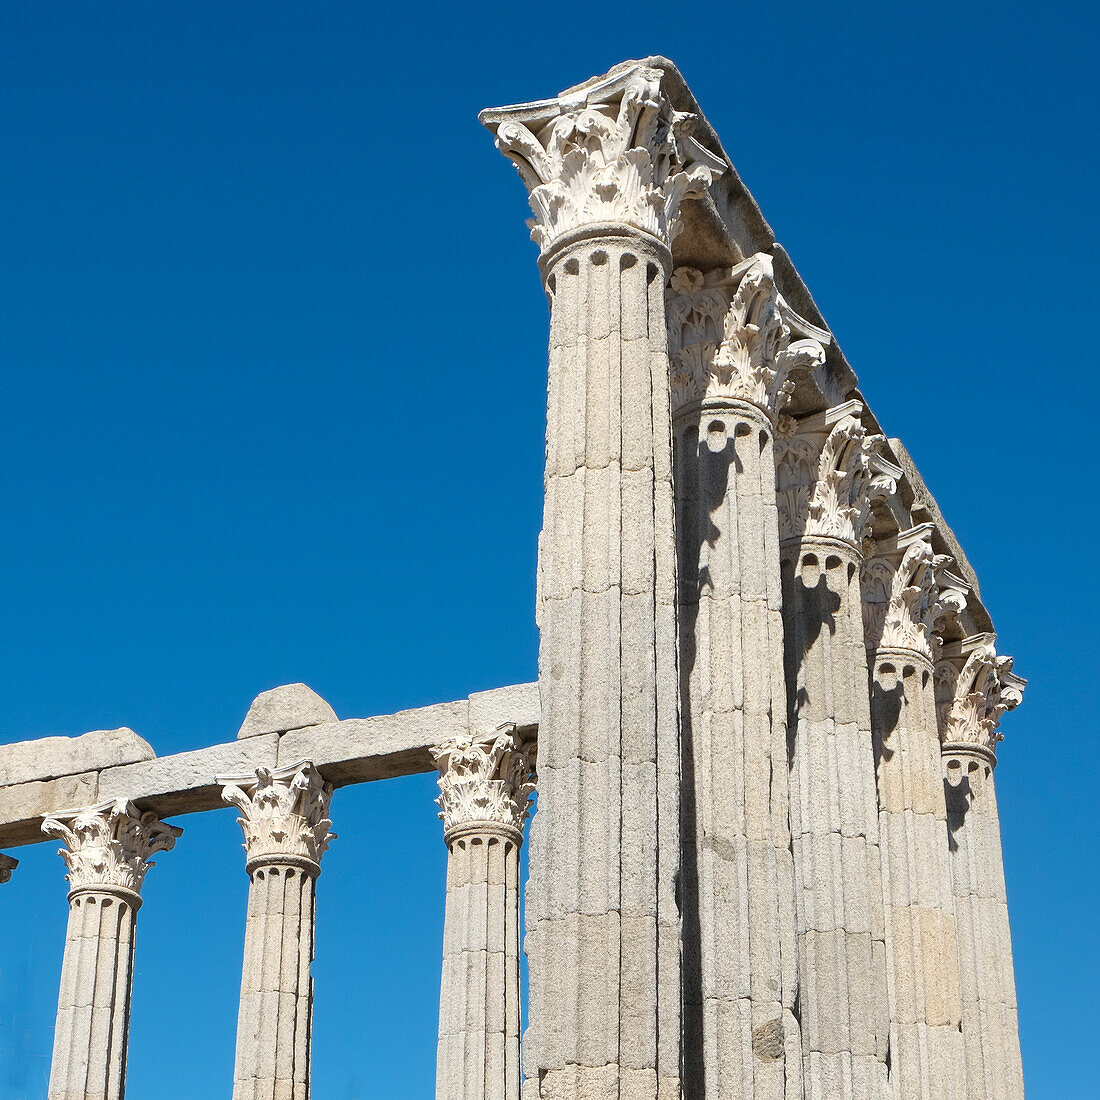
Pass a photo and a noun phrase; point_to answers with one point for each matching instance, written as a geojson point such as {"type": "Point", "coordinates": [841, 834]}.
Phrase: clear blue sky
{"type": "Point", "coordinates": [272, 356]}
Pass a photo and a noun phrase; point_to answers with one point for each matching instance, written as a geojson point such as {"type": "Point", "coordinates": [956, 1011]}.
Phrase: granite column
{"type": "Point", "coordinates": [975, 687]}
{"type": "Point", "coordinates": [907, 591]}
{"type": "Point", "coordinates": [107, 850]}
{"type": "Point", "coordinates": [607, 167]}
{"type": "Point", "coordinates": [825, 481]}
{"type": "Point", "coordinates": [284, 817]}
{"type": "Point", "coordinates": [485, 785]}
{"type": "Point", "coordinates": [731, 351]}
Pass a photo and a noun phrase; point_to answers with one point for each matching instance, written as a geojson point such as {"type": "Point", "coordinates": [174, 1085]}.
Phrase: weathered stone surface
{"type": "Point", "coordinates": [289, 707]}
{"type": "Point", "coordinates": [49, 757]}
{"type": "Point", "coordinates": [187, 781]}
{"type": "Point", "coordinates": [23, 807]}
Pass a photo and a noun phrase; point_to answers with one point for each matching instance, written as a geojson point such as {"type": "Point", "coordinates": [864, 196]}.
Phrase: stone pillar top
{"type": "Point", "coordinates": [975, 687]}
{"type": "Point", "coordinates": [908, 591]}
{"type": "Point", "coordinates": [612, 150]}
{"type": "Point", "coordinates": [109, 844]}
{"type": "Point", "coordinates": [733, 337]}
{"type": "Point", "coordinates": [828, 472]}
{"type": "Point", "coordinates": [484, 780]}
{"type": "Point", "coordinates": [284, 814]}
{"type": "Point", "coordinates": [7, 865]}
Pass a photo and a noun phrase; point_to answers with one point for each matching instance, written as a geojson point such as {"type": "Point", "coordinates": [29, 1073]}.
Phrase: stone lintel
{"type": "Point", "coordinates": [51, 757]}
{"type": "Point", "coordinates": [356, 750]}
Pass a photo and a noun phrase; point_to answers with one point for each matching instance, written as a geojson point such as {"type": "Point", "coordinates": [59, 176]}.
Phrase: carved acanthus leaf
{"type": "Point", "coordinates": [484, 777]}
{"type": "Point", "coordinates": [904, 605]}
{"type": "Point", "coordinates": [284, 811]}
{"type": "Point", "coordinates": [616, 153]}
{"type": "Point", "coordinates": [973, 695]}
{"type": "Point", "coordinates": [730, 335]}
{"type": "Point", "coordinates": [827, 482]}
{"type": "Point", "coordinates": [109, 844]}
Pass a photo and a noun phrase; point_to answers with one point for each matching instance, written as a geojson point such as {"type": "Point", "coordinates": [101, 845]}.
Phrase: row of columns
{"type": "Point", "coordinates": [107, 850]}
{"type": "Point", "coordinates": [486, 782]}
{"type": "Point", "coordinates": [819, 953]}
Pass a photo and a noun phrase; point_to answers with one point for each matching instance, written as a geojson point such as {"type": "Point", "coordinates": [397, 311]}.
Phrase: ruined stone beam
{"type": "Point", "coordinates": [356, 750]}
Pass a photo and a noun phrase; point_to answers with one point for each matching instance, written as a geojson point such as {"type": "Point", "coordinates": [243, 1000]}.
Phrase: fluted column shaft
{"type": "Point", "coordinates": [274, 1018]}
{"type": "Point", "coordinates": [107, 850]}
{"type": "Point", "coordinates": [607, 168]}
{"type": "Point", "coordinates": [285, 824]}
{"type": "Point", "coordinates": [485, 784]}
{"type": "Point", "coordinates": [603, 927]}
{"type": "Point", "coordinates": [479, 1009]}
{"type": "Point", "coordinates": [926, 1057]}
{"type": "Point", "coordinates": [834, 824]}
{"type": "Point", "coordinates": [741, 1036]}
{"type": "Point", "coordinates": [990, 1020]}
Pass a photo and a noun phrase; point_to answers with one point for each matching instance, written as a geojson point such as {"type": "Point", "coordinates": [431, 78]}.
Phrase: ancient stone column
{"type": "Point", "coordinates": [825, 481]}
{"type": "Point", "coordinates": [485, 786]}
{"type": "Point", "coordinates": [731, 351]}
{"type": "Point", "coordinates": [284, 817]}
{"type": "Point", "coordinates": [7, 865]}
{"type": "Point", "coordinates": [107, 850]}
{"type": "Point", "coordinates": [974, 688]}
{"type": "Point", "coordinates": [907, 591]}
{"type": "Point", "coordinates": [607, 166]}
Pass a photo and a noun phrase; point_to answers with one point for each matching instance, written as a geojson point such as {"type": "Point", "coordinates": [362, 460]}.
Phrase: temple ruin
{"type": "Point", "coordinates": [766, 861]}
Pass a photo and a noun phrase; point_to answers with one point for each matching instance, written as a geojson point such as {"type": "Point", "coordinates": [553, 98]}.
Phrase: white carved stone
{"type": "Point", "coordinates": [107, 850]}
{"type": "Point", "coordinates": [907, 592]}
{"type": "Point", "coordinates": [109, 845]}
{"type": "Point", "coordinates": [485, 785]}
{"type": "Point", "coordinates": [612, 152]}
{"type": "Point", "coordinates": [974, 694]}
{"type": "Point", "coordinates": [7, 865]}
{"type": "Point", "coordinates": [829, 470]}
{"type": "Point", "coordinates": [975, 687]}
{"type": "Point", "coordinates": [484, 778]}
{"type": "Point", "coordinates": [284, 818]}
{"type": "Point", "coordinates": [283, 812]}
{"type": "Point", "coordinates": [730, 336]}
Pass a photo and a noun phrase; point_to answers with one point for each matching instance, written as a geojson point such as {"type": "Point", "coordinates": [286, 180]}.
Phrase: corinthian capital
{"type": "Point", "coordinates": [7, 865]}
{"type": "Point", "coordinates": [484, 778]}
{"type": "Point", "coordinates": [612, 150]}
{"type": "Point", "coordinates": [975, 687]}
{"type": "Point", "coordinates": [109, 844]}
{"type": "Point", "coordinates": [731, 335]}
{"type": "Point", "coordinates": [829, 470]}
{"type": "Point", "coordinates": [907, 591]}
{"type": "Point", "coordinates": [284, 812]}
